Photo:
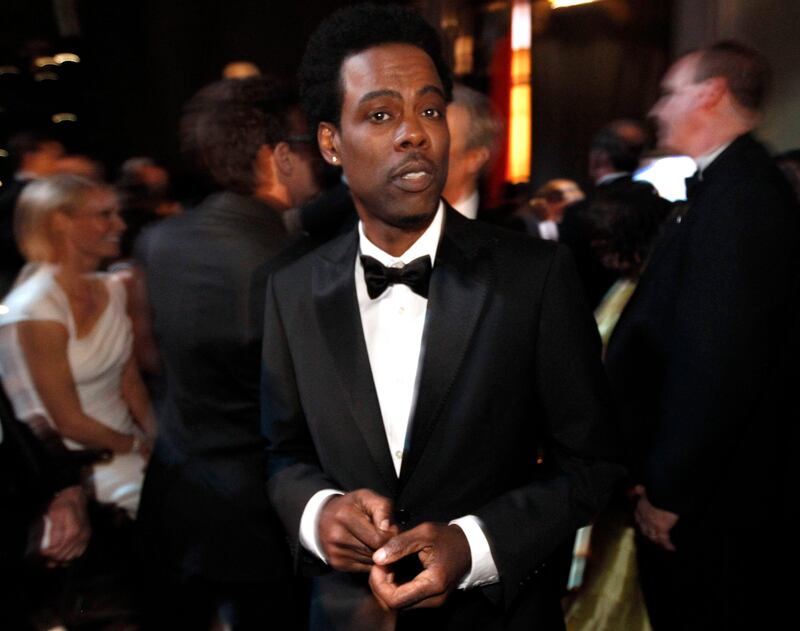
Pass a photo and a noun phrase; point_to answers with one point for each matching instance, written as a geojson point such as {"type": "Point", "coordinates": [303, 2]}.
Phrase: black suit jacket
{"type": "Point", "coordinates": [204, 507]}
{"type": "Point", "coordinates": [704, 358]}
{"type": "Point", "coordinates": [511, 364]}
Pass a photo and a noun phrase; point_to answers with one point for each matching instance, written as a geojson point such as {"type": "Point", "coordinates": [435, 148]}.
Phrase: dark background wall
{"type": "Point", "coordinates": [140, 61]}
{"type": "Point", "coordinates": [590, 65]}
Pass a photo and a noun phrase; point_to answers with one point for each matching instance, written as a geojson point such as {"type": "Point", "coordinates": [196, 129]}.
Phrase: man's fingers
{"type": "Point", "coordinates": [381, 513]}
{"type": "Point", "coordinates": [409, 542]}
{"type": "Point", "coordinates": [351, 520]}
{"type": "Point", "coordinates": [422, 591]}
{"type": "Point", "coordinates": [378, 508]}
{"type": "Point", "coordinates": [356, 554]}
{"type": "Point", "coordinates": [381, 579]}
{"type": "Point", "coordinates": [362, 528]}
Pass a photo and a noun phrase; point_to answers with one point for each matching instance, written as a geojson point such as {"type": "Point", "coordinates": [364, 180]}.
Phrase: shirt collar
{"type": "Point", "coordinates": [427, 243]}
{"type": "Point", "coordinates": [610, 177]}
{"type": "Point", "coordinates": [469, 205]}
{"type": "Point", "coordinates": [707, 158]}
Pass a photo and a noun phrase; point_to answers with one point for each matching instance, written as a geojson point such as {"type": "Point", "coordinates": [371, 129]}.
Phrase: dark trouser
{"type": "Point", "coordinates": [195, 603]}
{"type": "Point", "coordinates": [724, 582]}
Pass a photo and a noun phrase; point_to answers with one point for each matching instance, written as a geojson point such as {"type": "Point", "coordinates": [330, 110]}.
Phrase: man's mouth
{"type": "Point", "coordinates": [414, 176]}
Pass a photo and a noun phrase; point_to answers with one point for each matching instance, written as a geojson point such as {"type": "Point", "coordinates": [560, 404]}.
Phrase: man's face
{"type": "Point", "coordinates": [677, 108]}
{"type": "Point", "coordinates": [304, 181]}
{"type": "Point", "coordinates": [392, 140]}
{"type": "Point", "coordinates": [45, 160]}
{"type": "Point", "coordinates": [460, 176]}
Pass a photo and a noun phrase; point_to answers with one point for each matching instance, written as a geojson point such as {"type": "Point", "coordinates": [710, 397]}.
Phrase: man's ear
{"type": "Point", "coordinates": [284, 160]}
{"type": "Point", "coordinates": [264, 167]}
{"type": "Point", "coordinates": [328, 139]}
{"type": "Point", "coordinates": [478, 157]}
{"type": "Point", "coordinates": [712, 91]}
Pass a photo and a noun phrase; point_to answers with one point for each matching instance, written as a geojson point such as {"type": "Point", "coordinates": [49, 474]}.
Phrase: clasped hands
{"type": "Point", "coordinates": [357, 534]}
{"type": "Point", "coordinates": [69, 527]}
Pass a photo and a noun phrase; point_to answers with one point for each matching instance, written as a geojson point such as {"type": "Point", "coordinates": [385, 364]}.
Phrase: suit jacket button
{"type": "Point", "coordinates": [402, 517]}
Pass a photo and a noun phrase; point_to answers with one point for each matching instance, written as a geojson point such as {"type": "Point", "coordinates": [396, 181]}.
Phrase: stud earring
{"type": "Point", "coordinates": [334, 159]}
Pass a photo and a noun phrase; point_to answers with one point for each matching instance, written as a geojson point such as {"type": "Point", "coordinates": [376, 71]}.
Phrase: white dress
{"type": "Point", "coordinates": [96, 361]}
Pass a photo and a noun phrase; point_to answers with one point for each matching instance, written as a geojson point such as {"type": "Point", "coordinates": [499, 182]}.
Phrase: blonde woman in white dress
{"type": "Point", "coordinates": [66, 337]}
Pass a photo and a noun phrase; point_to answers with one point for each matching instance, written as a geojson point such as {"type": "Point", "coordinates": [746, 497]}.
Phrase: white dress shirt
{"type": "Point", "coordinates": [548, 230]}
{"type": "Point", "coordinates": [393, 325]}
{"type": "Point", "coordinates": [707, 158]}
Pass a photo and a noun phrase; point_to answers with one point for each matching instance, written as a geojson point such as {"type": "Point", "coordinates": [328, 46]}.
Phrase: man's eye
{"type": "Point", "coordinates": [379, 116]}
{"type": "Point", "coordinates": [432, 112]}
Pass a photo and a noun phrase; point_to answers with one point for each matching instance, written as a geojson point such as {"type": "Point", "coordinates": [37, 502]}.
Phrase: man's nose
{"type": "Point", "coordinates": [119, 222]}
{"type": "Point", "coordinates": [411, 134]}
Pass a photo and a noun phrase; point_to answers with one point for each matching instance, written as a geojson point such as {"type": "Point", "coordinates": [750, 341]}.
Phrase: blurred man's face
{"type": "Point", "coordinates": [45, 160]}
{"type": "Point", "coordinates": [305, 180]}
{"type": "Point", "coordinates": [462, 175]}
{"type": "Point", "coordinates": [676, 110]}
{"type": "Point", "coordinates": [392, 140]}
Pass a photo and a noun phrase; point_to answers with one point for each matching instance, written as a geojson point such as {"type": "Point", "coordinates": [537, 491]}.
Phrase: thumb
{"type": "Point", "coordinates": [398, 547]}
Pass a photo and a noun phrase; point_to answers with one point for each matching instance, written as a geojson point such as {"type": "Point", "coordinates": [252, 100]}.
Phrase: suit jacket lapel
{"type": "Point", "coordinates": [459, 285]}
{"type": "Point", "coordinates": [340, 323]}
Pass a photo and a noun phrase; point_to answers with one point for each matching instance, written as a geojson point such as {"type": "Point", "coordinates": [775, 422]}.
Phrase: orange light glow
{"type": "Point", "coordinates": [519, 124]}
{"type": "Point", "coordinates": [463, 55]}
{"type": "Point", "coordinates": [560, 4]}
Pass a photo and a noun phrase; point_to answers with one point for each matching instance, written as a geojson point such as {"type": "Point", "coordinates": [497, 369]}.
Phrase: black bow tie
{"type": "Point", "coordinates": [416, 275]}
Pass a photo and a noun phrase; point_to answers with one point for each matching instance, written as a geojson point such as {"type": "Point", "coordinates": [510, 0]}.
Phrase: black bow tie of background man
{"type": "Point", "coordinates": [416, 275]}
{"type": "Point", "coordinates": [693, 183]}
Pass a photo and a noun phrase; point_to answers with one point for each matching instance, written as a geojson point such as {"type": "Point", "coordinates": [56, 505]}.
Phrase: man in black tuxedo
{"type": "Point", "coordinates": [704, 360]}
{"type": "Point", "coordinates": [405, 408]}
{"type": "Point", "coordinates": [212, 537]}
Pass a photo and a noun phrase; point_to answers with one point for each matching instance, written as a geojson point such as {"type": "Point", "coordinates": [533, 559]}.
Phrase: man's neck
{"type": "Point", "coordinates": [391, 239]}
{"type": "Point", "coordinates": [713, 136]}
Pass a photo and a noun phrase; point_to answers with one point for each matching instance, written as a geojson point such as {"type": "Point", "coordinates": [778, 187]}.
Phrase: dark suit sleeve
{"type": "Point", "coordinates": [730, 316]}
{"type": "Point", "coordinates": [294, 474]}
{"type": "Point", "coordinates": [526, 524]}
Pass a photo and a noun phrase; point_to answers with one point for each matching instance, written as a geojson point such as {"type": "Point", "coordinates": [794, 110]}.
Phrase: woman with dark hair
{"type": "Point", "coordinates": [66, 338]}
{"type": "Point", "coordinates": [623, 223]}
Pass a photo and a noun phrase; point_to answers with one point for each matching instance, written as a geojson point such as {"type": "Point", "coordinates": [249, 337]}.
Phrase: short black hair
{"type": "Point", "coordinates": [624, 150]}
{"type": "Point", "coordinates": [225, 124]}
{"type": "Point", "coordinates": [349, 31]}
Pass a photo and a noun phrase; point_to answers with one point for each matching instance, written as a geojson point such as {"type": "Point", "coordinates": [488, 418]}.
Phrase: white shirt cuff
{"type": "Point", "coordinates": [309, 522]}
{"type": "Point", "coordinates": [483, 570]}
